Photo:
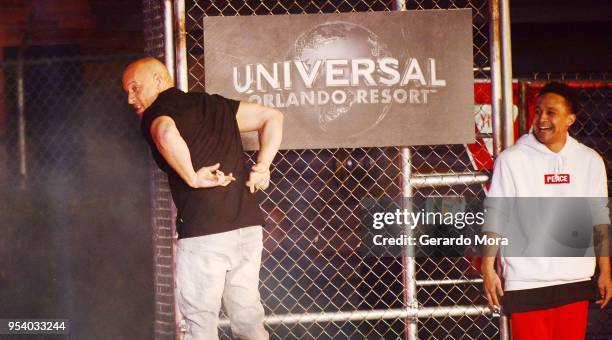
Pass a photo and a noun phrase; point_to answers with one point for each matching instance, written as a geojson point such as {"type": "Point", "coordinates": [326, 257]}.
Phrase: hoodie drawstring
{"type": "Point", "coordinates": [559, 164]}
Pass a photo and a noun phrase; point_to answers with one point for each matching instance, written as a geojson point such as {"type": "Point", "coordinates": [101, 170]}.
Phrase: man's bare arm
{"type": "Point", "coordinates": [269, 123]}
{"type": "Point", "coordinates": [491, 282]}
{"type": "Point", "coordinates": [173, 148]}
{"type": "Point", "coordinates": [601, 240]}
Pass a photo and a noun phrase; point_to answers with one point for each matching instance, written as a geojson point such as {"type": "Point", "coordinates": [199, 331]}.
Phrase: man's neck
{"type": "Point", "coordinates": [557, 147]}
{"type": "Point", "coordinates": [165, 87]}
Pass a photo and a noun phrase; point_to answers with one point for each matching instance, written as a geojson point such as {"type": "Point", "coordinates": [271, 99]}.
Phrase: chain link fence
{"type": "Point", "coordinates": [311, 261]}
{"type": "Point", "coordinates": [75, 162]}
{"type": "Point", "coordinates": [52, 107]}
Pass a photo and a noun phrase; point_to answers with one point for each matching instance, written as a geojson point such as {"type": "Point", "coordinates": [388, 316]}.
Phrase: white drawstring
{"type": "Point", "coordinates": [559, 163]}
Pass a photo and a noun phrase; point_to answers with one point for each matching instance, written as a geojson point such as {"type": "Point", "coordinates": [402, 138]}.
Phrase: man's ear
{"type": "Point", "coordinates": [158, 80]}
{"type": "Point", "coordinates": [572, 119]}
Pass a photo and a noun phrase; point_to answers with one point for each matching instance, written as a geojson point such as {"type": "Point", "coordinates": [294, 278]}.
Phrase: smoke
{"type": "Point", "coordinates": [77, 241]}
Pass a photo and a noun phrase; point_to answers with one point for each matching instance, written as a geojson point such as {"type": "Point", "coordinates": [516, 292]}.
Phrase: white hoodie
{"type": "Point", "coordinates": [530, 169]}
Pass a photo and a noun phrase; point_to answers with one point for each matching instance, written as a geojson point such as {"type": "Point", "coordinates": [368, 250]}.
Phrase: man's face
{"type": "Point", "coordinates": [142, 88]}
{"type": "Point", "coordinates": [553, 117]}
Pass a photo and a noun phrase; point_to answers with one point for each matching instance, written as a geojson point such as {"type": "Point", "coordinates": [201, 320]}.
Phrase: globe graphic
{"type": "Point", "coordinates": [332, 41]}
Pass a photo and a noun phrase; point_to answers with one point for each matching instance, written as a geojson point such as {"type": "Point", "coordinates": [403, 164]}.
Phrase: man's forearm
{"type": "Point", "coordinates": [601, 241]}
{"type": "Point", "coordinates": [487, 264]}
{"type": "Point", "coordinates": [489, 254]}
{"type": "Point", "coordinates": [604, 265]}
{"type": "Point", "coordinates": [270, 137]}
{"type": "Point", "coordinates": [176, 153]}
{"type": "Point", "coordinates": [490, 250]}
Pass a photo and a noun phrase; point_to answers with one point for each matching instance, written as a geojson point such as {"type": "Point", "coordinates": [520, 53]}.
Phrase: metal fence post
{"type": "Point", "coordinates": [181, 46]}
{"type": "Point", "coordinates": [506, 74]}
{"type": "Point", "coordinates": [21, 125]}
{"type": "Point", "coordinates": [169, 38]}
{"type": "Point", "coordinates": [409, 259]}
{"type": "Point", "coordinates": [503, 120]}
{"type": "Point", "coordinates": [496, 78]}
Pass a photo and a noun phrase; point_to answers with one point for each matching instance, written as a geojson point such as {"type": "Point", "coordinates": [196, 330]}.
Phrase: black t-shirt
{"type": "Point", "coordinates": [208, 125]}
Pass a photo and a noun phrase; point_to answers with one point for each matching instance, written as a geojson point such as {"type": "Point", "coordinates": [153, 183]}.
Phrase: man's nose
{"type": "Point", "coordinates": [130, 99]}
{"type": "Point", "coordinates": [543, 117]}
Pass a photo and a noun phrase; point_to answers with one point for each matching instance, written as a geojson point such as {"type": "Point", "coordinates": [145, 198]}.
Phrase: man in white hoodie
{"type": "Point", "coordinates": [547, 297]}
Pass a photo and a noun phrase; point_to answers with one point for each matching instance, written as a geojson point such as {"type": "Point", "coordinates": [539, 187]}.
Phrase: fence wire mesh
{"type": "Point", "coordinates": [593, 126]}
{"type": "Point", "coordinates": [311, 261]}
{"type": "Point", "coordinates": [60, 108]}
{"type": "Point", "coordinates": [71, 173]}
{"type": "Point", "coordinates": [594, 129]}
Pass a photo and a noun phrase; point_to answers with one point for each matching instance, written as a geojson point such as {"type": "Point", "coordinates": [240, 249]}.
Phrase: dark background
{"type": "Point", "coordinates": [560, 36]}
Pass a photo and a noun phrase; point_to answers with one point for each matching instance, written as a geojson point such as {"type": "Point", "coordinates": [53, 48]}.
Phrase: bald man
{"type": "Point", "coordinates": [195, 139]}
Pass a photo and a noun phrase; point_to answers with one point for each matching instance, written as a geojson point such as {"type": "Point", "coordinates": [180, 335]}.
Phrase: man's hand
{"type": "Point", "coordinates": [211, 176]}
{"type": "Point", "coordinates": [259, 178]}
{"type": "Point", "coordinates": [492, 287]}
{"type": "Point", "coordinates": [604, 283]}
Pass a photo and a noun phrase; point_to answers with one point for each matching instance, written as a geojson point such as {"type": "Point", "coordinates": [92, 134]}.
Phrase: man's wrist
{"type": "Point", "coordinates": [604, 265]}
{"type": "Point", "coordinates": [192, 180]}
{"type": "Point", "coordinates": [486, 270]}
{"type": "Point", "coordinates": [263, 165]}
{"type": "Point", "coordinates": [487, 265]}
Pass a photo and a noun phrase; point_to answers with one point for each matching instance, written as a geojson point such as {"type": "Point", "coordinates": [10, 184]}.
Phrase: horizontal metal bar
{"type": "Point", "coordinates": [438, 180]}
{"type": "Point", "coordinates": [486, 68]}
{"type": "Point", "coordinates": [484, 135]}
{"type": "Point", "coordinates": [380, 314]}
{"type": "Point", "coordinates": [50, 60]}
{"type": "Point", "coordinates": [585, 83]}
{"type": "Point", "coordinates": [424, 283]}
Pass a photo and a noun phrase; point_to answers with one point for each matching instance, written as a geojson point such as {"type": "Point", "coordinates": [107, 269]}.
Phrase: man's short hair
{"type": "Point", "coordinates": [569, 94]}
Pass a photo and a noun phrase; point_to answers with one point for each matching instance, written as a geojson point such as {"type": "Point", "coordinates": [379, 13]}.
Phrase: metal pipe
{"type": "Point", "coordinates": [523, 111]}
{"type": "Point", "coordinates": [170, 65]}
{"type": "Point", "coordinates": [377, 314]}
{"type": "Point", "coordinates": [21, 120]}
{"type": "Point", "coordinates": [407, 190]}
{"type": "Point", "coordinates": [408, 260]}
{"type": "Point", "coordinates": [504, 329]}
{"type": "Point", "coordinates": [496, 80]}
{"type": "Point", "coordinates": [21, 125]}
{"type": "Point", "coordinates": [438, 180]}
{"type": "Point", "coordinates": [428, 283]}
{"type": "Point", "coordinates": [484, 135]}
{"type": "Point", "coordinates": [181, 47]}
{"type": "Point", "coordinates": [168, 38]}
{"type": "Point", "coordinates": [503, 15]}
{"type": "Point", "coordinates": [399, 5]}
{"type": "Point", "coordinates": [506, 67]}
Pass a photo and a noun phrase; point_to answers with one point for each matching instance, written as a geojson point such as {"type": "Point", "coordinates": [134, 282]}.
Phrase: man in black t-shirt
{"type": "Point", "coordinates": [218, 217]}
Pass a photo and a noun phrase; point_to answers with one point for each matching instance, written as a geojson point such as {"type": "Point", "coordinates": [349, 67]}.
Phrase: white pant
{"type": "Point", "coordinates": [221, 266]}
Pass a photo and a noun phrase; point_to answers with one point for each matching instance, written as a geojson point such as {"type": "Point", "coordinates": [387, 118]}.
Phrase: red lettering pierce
{"type": "Point", "coordinates": [557, 179]}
